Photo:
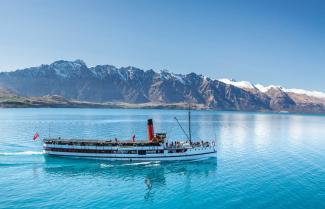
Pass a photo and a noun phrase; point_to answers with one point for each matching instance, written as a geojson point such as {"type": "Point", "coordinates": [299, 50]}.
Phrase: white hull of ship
{"type": "Point", "coordinates": [191, 155]}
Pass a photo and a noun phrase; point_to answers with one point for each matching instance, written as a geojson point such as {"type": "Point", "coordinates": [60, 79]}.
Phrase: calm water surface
{"type": "Point", "coordinates": [264, 161]}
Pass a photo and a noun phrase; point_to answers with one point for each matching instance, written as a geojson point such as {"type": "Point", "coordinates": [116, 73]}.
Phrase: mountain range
{"type": "Point", "coordinates": [76, 84]}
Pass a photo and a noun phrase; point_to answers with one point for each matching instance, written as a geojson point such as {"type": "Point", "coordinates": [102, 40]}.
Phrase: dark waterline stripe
{"type": "Point", "coordinates": [134, 157]}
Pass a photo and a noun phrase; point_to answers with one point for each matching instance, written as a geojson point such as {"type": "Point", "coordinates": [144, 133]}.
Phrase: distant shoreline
{"type": "Point", "coordinates": [11, 100]}
{"type": "Point", "coordinates": [105, 105]}
{"type": "Point", "coordinates": [112, 105]}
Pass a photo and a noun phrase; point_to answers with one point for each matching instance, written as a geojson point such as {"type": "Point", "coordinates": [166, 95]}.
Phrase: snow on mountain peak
{"type": "Point", "coordinates": [317, 94]}
{"type": "Point", "coordinates": [239, 84]}
{"type": "Point", "coordinates": [80, 62]}
{"type": "Point", "coordinates": [166, 75]}
{"type": "Point", "coordinates": [65, 68]}
{"type": "Point", "coordinates": [179, 77]}
{"type": "Point", "coordinates": [68, 64]}
{"type": "Point", "coordinates": [263, 89]}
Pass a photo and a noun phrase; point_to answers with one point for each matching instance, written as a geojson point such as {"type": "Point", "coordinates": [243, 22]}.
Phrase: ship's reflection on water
{"type": "Point", "coordinates": [151, 176]}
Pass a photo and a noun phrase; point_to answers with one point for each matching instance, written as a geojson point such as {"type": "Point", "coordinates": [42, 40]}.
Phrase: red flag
{"type": "Point", "coordinates": [36, 135]}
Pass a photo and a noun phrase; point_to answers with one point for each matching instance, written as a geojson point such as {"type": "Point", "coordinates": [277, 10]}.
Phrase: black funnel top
{"type": "Point", "coordinates": [150, 122]}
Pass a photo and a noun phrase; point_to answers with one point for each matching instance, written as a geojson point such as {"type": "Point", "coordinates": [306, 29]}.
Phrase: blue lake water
{"type": "Point", "coordinates": [264, 161]}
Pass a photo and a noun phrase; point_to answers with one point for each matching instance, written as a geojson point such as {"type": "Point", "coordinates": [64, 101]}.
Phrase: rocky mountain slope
{"type": "Point", "coordinates": [282, 99]}
{"type": "Point", "coordinates": [74, 81]}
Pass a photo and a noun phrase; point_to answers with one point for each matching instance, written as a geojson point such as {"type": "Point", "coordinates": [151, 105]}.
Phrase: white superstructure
{"type": "Point", "coordinates": [130, 151]}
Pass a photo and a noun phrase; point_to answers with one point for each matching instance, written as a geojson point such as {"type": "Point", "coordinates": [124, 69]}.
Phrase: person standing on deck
{"type": "Point", "coordinates": [133, 138]}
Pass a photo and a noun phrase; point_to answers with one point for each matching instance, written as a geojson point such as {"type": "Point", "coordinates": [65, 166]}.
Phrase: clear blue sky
{"type": "Point", "coordinates": [269, 42]}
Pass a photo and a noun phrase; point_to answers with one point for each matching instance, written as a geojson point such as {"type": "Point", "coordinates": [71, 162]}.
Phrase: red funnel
{"type": "Point", "coordinates": [150, 130]}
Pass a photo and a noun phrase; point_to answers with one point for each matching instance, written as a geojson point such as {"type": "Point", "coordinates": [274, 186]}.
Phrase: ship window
{"type": "Point", "coordinates": [141, 152]}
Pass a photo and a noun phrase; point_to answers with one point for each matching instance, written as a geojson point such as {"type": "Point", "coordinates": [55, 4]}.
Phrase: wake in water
{"type": "Point", "coordinates": [152, 165]}
{"type": "Point", "coordinates": [139, 163]}
{"type": "Point", "coordinates": [146, 164]}
{"type": "Point", "coordinates": [23, 153]}
{"type": "Point", "coordinates": [103, 165]}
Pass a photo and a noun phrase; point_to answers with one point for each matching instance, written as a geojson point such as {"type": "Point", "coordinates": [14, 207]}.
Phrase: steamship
{"type": "Point", "coordinates": [155, 148]}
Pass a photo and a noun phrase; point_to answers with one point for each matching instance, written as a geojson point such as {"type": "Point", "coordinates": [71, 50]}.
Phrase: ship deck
{"type": "Point", "coordinates": [97, 142]}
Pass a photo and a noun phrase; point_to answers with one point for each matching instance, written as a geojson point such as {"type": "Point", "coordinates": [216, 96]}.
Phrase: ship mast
{"type": "Point", "coordinates": [189, 123]}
